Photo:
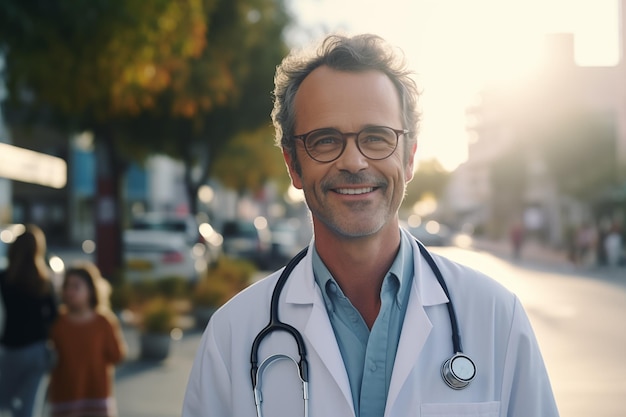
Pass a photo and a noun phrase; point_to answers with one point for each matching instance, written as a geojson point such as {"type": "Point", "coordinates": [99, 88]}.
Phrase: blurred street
{"type": "Point", "coordinates": [154, 389]}
{"type": "Point", "coordinates": [150, 150]}
{"type": "Point", "coordinates": [575, 313]}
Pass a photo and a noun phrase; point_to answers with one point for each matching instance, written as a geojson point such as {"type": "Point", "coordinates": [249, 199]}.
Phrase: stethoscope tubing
{"type": "Point", "coordinates": [451, 379]}
{"type": "Point", "coordinates": [276, 324]}
{"type": "Point", "coordinates": [456, 336]}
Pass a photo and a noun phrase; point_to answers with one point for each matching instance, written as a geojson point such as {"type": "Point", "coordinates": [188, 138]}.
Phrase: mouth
{"type": "Point", "coordinates": [354, 191]}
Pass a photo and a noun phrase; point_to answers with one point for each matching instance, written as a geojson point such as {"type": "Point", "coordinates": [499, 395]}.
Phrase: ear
{"type": "Point", "coordinates": [408, 173]}
{"type": "Point", "coordinates": [296, 180]}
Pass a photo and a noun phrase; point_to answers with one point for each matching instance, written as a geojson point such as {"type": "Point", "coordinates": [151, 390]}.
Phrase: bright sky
{"type": "Point", "coordinates": [455, 45]}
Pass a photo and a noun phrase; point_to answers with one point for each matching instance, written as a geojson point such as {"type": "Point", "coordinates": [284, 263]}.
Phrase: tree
{"type": "Point", "coordinates": [145, 76]}
{"type": "Point", "coordinates": [430, 178]}
{"type": "Point", "coordinates": [250, 160]}
{"type": "Point", "coordinates": [244, 46]}
{"type": "Point", "coordinates": [91, 66]}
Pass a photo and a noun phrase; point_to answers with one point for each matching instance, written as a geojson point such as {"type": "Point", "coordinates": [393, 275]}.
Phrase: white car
{"type": "Point", "coordinates": [159, 246]}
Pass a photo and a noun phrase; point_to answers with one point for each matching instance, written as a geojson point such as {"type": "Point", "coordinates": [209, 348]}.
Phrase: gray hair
{"type": "Point", "coordinates": [355, 54]}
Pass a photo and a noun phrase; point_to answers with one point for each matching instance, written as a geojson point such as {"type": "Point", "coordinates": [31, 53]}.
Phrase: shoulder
{"type": "Point", "coordinates": [106, 318]}
{"type": "Point", "coordinates": [479, 299]}
{"type": "Point", "coordinates": [469, 285]}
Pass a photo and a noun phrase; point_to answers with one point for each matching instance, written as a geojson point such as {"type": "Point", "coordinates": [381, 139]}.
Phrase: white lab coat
{"type": "Point", "coordinates": [511, 378]}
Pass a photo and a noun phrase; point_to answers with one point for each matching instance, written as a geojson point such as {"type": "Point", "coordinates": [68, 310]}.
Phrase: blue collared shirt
{"type": "Point", "coordinates": [369, 355]}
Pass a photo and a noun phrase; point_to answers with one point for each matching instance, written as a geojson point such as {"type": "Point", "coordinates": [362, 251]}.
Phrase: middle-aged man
{"type": "Point", "coordinates": [375, 330]}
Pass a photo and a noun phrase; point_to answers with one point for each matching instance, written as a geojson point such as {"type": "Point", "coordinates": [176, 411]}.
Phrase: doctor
{"type": "Point", "coordinates": [371, 313]}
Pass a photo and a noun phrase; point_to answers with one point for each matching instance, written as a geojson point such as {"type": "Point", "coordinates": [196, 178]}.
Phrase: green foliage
{"type": "Point", "coordinates": [122, 296]}
{"type": "Point", "coordinates": [158, 316]}
{"type": "Point", "coordinates": [227, 278]}
{"type": "Point", "coordinates": [250, 160]}
{"type": "Point", "coordinates": [133, 295]}
{"type": "Point", "coordinates": [430, 178]}
{"type": "Point", "coordinates": [97, 61]}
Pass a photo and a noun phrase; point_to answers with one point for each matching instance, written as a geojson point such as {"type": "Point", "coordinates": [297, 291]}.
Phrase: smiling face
{"type": "Point", "coordinates": [352, 196]}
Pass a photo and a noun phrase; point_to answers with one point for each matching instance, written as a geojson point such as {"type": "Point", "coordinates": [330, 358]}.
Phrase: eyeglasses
{"type": "Point", "coordinates": [374, 142]}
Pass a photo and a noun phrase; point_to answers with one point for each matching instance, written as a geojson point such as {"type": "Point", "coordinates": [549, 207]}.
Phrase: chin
{"type": "Point", "coordinates": [358, 230]}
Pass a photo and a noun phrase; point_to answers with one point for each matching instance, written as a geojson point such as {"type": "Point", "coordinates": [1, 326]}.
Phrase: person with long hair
{"type": "Point", "coordinates": [89, 342]}
{"type": "Point", "coordinates": [31, 308]}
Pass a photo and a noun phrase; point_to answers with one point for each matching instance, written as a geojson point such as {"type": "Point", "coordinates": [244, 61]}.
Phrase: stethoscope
{"type": "Point", "coordinates": [457, 372]}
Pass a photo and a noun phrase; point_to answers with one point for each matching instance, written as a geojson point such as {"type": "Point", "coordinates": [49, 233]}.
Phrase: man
{"type": "Point", "coordinates": [372, 316]}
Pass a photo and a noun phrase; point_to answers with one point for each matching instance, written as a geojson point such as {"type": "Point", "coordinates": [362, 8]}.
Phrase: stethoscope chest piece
{"type": "Point", "coordinates": [458, 371]}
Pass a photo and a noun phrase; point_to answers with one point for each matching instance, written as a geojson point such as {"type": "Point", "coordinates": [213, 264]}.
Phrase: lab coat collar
{"type": "Point", "coordinates": [425, 285]}
{"type": "Point", "coordinates": [425, 282]}
{"type": "Point", "coordinates": [426, 291]}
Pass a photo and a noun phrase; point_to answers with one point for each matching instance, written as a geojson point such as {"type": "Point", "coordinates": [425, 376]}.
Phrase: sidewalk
{"type": "Point", "coordinates": [154, 389]}
{"type": "Point", "coordinates": [537, 255]}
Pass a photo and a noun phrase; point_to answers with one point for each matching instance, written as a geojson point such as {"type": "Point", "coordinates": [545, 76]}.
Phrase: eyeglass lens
{"type": "Point", "coordinates": [325, 145]}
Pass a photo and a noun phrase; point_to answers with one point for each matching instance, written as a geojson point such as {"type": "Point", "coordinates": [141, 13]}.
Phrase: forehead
{"type": "Point", "coordinates": [346, 100]}
{"type": "Point", "coordinates": [74, 279]}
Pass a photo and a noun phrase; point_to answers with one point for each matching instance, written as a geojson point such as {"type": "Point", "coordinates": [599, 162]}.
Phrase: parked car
{"type": "Point", "coordinates": [286, 242]}
{"type": "Point", "coordinates": [159, 246]}
{"type": "Point", "coordinates": [246, 240]}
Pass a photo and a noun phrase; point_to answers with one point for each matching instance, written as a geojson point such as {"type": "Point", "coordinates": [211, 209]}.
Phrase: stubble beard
{"type": "Point", "coordinates": [361, 221]}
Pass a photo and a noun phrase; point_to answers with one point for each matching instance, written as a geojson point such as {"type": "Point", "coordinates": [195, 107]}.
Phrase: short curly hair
{"type": "Point", "coordinates": [356, 54]}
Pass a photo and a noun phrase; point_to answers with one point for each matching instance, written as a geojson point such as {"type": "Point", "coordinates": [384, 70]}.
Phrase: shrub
{"type": "Point", "coordinates": [157, 316]}
{"type": "Point", "coordinates": [225, 279]}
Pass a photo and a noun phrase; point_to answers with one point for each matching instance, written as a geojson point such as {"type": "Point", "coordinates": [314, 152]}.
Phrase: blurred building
{"type": "Point", "coordinates": [515, 173]}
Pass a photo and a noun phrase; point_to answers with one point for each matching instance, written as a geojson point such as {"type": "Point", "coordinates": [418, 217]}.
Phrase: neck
{"type": "Point", "coordinates": [80, 314]}
{"type": "Point", "coordinates": [359, 266]}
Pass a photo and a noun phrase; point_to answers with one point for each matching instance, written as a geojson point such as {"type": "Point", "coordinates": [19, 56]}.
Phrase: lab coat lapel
{"type": "Point", "coordinates": [318, 332]}
{"type": "Point", "coordinates": [415, 331]}
{"type": "Point", "coordinates": [416, 328]}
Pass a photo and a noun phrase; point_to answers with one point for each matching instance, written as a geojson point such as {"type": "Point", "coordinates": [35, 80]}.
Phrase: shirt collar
{"type": "Point", "coordinates": [397, 279]}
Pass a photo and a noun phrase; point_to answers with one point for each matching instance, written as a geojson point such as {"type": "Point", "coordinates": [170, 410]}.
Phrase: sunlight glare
{"type": "Point", "coordinates": [456, 46]}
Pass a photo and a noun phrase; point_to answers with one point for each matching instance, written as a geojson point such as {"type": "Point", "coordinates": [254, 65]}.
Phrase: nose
{"type": "Point", "coordinates": [352, 160]}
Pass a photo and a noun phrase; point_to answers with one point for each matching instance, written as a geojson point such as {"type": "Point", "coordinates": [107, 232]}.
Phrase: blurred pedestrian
{"type": "Point", "coordinates": [89, 342]}
{"type": "Point", "coordinates": [613, 246]}
{"type": "Point", "coordinates": [586, 239]}
{"type": "Point", "coordinates": [517, 239]}
{"type": "Point", "coordinates": [31, 308]}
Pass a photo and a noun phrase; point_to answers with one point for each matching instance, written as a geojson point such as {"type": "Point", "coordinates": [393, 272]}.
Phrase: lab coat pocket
{"type": "Point", "coordinates": [486, 409]}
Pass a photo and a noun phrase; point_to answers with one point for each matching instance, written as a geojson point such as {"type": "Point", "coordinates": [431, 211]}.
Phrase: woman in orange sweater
{"type": "Point", "coordinates": [89, 343]}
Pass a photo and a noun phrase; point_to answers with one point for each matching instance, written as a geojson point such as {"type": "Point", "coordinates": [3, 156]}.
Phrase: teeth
{"type": "Point", "coordinates": [355, 190]}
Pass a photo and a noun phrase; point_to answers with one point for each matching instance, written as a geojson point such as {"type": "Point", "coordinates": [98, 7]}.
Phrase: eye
{"type": "Point", "coordinates": [376, 135]}
{"type": "Point", "coordinates": [324, 138]}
